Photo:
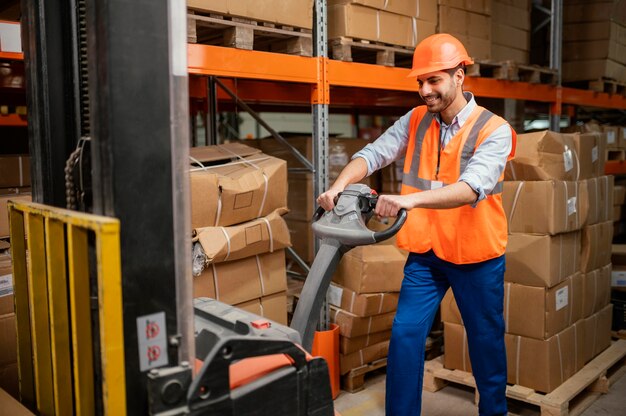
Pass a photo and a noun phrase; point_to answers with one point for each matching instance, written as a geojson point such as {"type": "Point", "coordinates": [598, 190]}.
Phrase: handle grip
{"type": "Point", "coordinates": [391, 231]}
{"type": "Point", "coordinates": [318, 214]}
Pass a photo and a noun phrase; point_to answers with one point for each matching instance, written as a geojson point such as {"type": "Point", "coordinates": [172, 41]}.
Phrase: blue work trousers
{"type": "Point", "coordinates": [479, 290]}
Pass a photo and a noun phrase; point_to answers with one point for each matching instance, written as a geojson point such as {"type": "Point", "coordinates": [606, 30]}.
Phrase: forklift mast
{"type": "Point", "coordinates": [115, 74]}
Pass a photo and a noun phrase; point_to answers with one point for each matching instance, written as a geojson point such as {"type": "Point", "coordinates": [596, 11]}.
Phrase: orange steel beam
{"type": "Point", "coordinates": [352, 74]}
{"type": "Point", "coordinates": [13, 56]}
{"type": "Point", "coordinates": [237, 63]}
{"type": "Point", "coordinates": [615, 167]}
{"type": "Point", "coordinates": [593, 98]}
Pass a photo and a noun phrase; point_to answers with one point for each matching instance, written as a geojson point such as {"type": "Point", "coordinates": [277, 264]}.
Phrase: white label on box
{"type": "Point", "coordinates": [561, 298]}
{"type": "Point", "coordinates": [152, 337]}
{"type": "Point", "coordinates": [10, 37]}
{"type": "Point", "coordinates": [334, 295]}
{"type": "Point", "coordinates": [568, 160]}
{"type": "Point", "coordinates": [594, 154]}
{"type": "Point", "coordinates": [618, 278]}
{"type": "Point", "coordinates": [340, 159]}
{"type": "Point", "coordinates": [6, 285]}
{"type": "Point", "coordinates": [571, 206]}
{"type": "Point", "coordinates": [610, 137]}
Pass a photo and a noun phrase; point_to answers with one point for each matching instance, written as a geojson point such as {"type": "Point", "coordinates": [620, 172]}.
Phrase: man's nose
{"type": "Point", "coordinates": [425, 89]}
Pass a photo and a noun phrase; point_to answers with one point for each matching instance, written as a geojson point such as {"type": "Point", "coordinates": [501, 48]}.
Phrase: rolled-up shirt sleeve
{"type": "Point", "coordinates": [390, 146]}
{"type": "Point", "coordinates": [487, 164]}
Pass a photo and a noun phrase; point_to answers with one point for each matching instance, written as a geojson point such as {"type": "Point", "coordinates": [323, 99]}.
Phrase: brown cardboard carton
{"type": "Point", "coordinates": [362, 304]}
{"type": "Point", "coordinates": [594, 11]}
{"type": "Point", "coordinates": [424, 9]}
{"type": "Point", "coordinates": [258, 236]}
{"type": "Point", "coordinates": [371, 269]}
{"type": "Point", "coordinates": [617, 213]}
{"type": "Point", "coordinates": [249, 188]}
{"type": "Point", "coordinates": [593, 69]}
{"type": "Point", "coordinates": [8, 340]}
{"type": "Point", "coordinates": [596, 290]}
{"type": "Point", "coordinates": [510, 36]}
{"type": "Point", "coordinates": [533, 312]}
{"type": "Point", "coordinates": [9, 383]}
{"type": "Point", "coordinates": [511, 15]}
{"type": "Point", "coordinates": [619, 194]}
{"type": "Point", "coordinates": [544, 155]}
{"type": "Point", "coordinates": [297, 13]}
{"type": "Point", "coordinates": [363, 357]}
{"type": "Point", "coordinates": [622, 135]}
{"type": "Point", "coordinates": [4, 215]}
{"type": "Point", "coordinates": [456, 354]}
{"type": "Point", "coordinates": [618, 254]}
{"type": "Point", "coordinates": [506, 53]}
{"type": "Point", "coordinates": [591, 153]}
{"type": "Point", "coordinates": [542, 260]}
{"type": "Point", "coordinates": [596, 246]}
{"type": "Point", "coordinates": [477, 48]}
{"type": "Point", "coordinates": [597, 329]}
{"type": "Point", "coordinates": [273, 307]}
{"type": "Point", "coordinates": [613, 137]}
{"type": "Point", "coordinates": [543, 207]}
{"type": "Point", "coordinates": [595, 49]}
{"type": "Point", "coordinates": [14, 171]}
{"type": "Point", "coordinates": [350, 345]}
{"type": "Point", "coordinates": [598, 192]}
{"type": "Point", "coordinates": [591, 31]}
{"type": "Point", "coordinates": [220, 154]}
{"type": "Point", "coordinates": [239, 281]}
{"type": "Point", "coordinates": [458, 21]}
{"type": "Point", "coordinates": [474, 6]}
{"type": "Point", "coordinates": [352, 326]}
{"type": "Point", "coordinates": [518, 4]}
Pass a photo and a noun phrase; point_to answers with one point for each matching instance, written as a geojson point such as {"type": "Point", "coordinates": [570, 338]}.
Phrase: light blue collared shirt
{"type": "Point", "coordinates": [484, 167]}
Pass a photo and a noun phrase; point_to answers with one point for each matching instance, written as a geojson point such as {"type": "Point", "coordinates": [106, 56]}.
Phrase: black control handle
{"type": "Point", "coordinates": [318, 214]}
{"type": "Point", "coordinates": [391, 231]}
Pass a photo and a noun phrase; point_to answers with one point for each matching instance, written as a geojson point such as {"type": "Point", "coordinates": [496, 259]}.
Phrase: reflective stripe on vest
{"type": "Point", "coordinates": [411, 179]}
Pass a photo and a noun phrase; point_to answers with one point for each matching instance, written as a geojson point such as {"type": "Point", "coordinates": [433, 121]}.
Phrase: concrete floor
{"type": "Point", "coordinates": [455, 400]}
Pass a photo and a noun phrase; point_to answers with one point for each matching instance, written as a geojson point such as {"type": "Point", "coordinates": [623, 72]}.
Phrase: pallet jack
{"type": "Point", "coordinates": [249, 365]}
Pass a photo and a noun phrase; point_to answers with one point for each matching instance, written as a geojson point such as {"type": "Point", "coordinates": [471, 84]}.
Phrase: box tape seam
{"type": "Point", "coordinates": [258, 266]}
{"type": "Point", "coordinates": [227, 243]}
{"type": "Point", "coordinates": [269, 230]}
{"type": "Point", "coordinates": [558, 343]}
{"type": "Point", "coordinates": [217, 290]}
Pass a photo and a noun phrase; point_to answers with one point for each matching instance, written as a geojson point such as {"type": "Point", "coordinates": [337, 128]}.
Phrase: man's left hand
{"type": "Point", "coordinates": [389, 205]}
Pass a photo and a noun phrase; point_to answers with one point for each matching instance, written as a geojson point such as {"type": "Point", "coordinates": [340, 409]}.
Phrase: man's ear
{"type": "Point", "coordinates": [459, 75]}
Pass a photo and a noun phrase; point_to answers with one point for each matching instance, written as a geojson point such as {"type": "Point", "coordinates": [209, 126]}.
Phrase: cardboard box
{"type": "Point", "coordinates": [596, 290]}
{"type": "Point", "coordinates": [544, 155]}
{"type": "Point", "coordinates": [533, 312]}
{"type": "Point", "coordinates": [351, 20]}
{"type": "Point", "coordinates": [239, 191]}
{"type": "Point", "coordinates": [4, 214]}
{"type": "Point", "coordinates": [595, 11]}
{"type": "Point", "coordinates": [595, 49]}
{"type": "Point", "coordinates": [363, 357]}
{"type": "Point", "coordinates": [458, 21]}
{"type": "Point", "coordinates": [510, 36]}
{"type": "Point", "coordinates": [597, 330]}
{"type": "Point", "coordinates": [596, 246]}
{"type": "Point", "coordinates": [350, 345]}
{"type": "Point", "coordinates": [371, 269]}
{"type": "Point", "coordinates": [8, 340]}
{"type": "Point", "coordinates": [506, 53]}
{"type": "Point", "coordinates": [543, 207]}
{"type": "Point", "coordinates": [475, 6]}
{"type": "Point", "coordinates": [542, 260]}
{"type": "Point", "coordinates": [598, 192]}
{"type": "Point", "coordinates": [593, 70]}
{"type": "Point", "coordinates": [263, 235]}
{"type": "Point", "coordinates": [362, 304]}
{"type": "Point", "coordinates": [297, 13]}
{"type": "Point", "coordinates": [622, 136]}
{"type": "Point", "coordinates": [619, 194]}
{"type": "Point", "coordinates": [352, 326]}
{"type": "Point", "coordinates": [14, 171]}
{"type": "Point", "coordinates": [612, 136]}
{"type": "Point", "coordinates": [10, 37]}
{"type": "Point", "coordinates": [591, 153]}
{"type": "Point", "coordinates": [617, 213]}
{"type": "Point", "coordinates": [423, 9]}
{"type": "Point", "coordinates": [511, 15]}
{"type": "Point", "coordinates": [235, 282]}
{"type": "Point", "coordinates": [273, 307]}
{"type": "Point", "coordinates": [524, 5]}
{"type": "Point", "coordinates": [10, 392]}
{"type": "Point", "coordinates": [591, 31]}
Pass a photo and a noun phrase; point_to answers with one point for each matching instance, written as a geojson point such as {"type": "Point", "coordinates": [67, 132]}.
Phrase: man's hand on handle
{"type": "Point", "coordinates": [389, 205]}
{"type": "Point", "coordinates": [327, 199]}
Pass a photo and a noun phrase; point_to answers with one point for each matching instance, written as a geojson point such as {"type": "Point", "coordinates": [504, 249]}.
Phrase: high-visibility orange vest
{"type": "Point", "coordinates": [460, 235]}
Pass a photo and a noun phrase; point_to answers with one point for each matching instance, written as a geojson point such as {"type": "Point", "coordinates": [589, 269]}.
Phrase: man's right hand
{"type": "Point", "coordinates": [327, 199]}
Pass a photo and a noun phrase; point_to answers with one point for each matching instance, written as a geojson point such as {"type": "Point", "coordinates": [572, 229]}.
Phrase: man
{"type": "Point", "coordinates": [456, 231]}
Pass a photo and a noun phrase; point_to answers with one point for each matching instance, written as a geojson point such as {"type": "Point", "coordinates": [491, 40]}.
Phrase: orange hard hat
{"type": "Point", "coordinates": [437, 53]}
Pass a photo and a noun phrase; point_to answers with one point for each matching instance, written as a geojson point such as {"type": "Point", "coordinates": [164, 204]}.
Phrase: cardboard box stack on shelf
{"type": "Point", "coordinates": [300, 197]}
{"type": "Point", "coordinates": [470, 22]}
{"type": "Point", "coordinates": [618, 289]}
{"type": "Point", "coordinates": [393, 22]}
{"type": "Point", "coordinates": [14, 185]}
{"type": "Point", "coordinates": [594, 40]}
{"type": "Point", "coordinates": [510, 30]}
{"type": "Point", "coordinates": [8, 335]}
{"type": "Point", "coordinates": [238, 198]}
{"type": "Point", "coordinates": [363, 305]}
{"type": "Point", "coordinates": [558, 261]}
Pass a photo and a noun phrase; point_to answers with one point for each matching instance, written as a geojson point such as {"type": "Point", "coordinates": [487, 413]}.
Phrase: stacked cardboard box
{"type": "Point", "coordinates": [510, 30]}
{"type": "Point", "coordinates": [594, 40]}
{"type": "Point", "coordinates": [300, 197]}
{"type": "Point", "coordinates": [618, 287]}
{"type": "Point", "coordinates": [394, 22]}
{"type": "Point", "coordinates": [556, 292]}
{"type": "Point", "coordinates": [8, 336]}
{"type": "Point", "coordinates": [470, 22]}
{"type": "Point", "coordinates": [238, 198]}
{"type": "Point", "coordinates": [363, 304]}
{"type": "Point", "coordinates": [14, 185]}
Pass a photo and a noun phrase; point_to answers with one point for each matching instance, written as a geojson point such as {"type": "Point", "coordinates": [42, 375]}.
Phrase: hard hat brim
{"type": "Point", "coordinates": [434, 68]}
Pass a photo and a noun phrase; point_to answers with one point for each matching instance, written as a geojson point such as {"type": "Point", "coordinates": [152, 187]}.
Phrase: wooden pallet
{"type": "Point", "coordinates": [615, 154]}
{"type": "Point", "coordinates": [4, 244]}
{"type": "Point", "coordinates": [569, 399]}
{"type": "Point", "coordinates": [215, 29]}
{"type": "Point", "coordinates": [512, 71]}
{"type": "Point", "coordinates": [621, 334]}
{"type": "Point", "coordinates": [601, 85]}
{"type": "Point", "coordinates": [364, 51]}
